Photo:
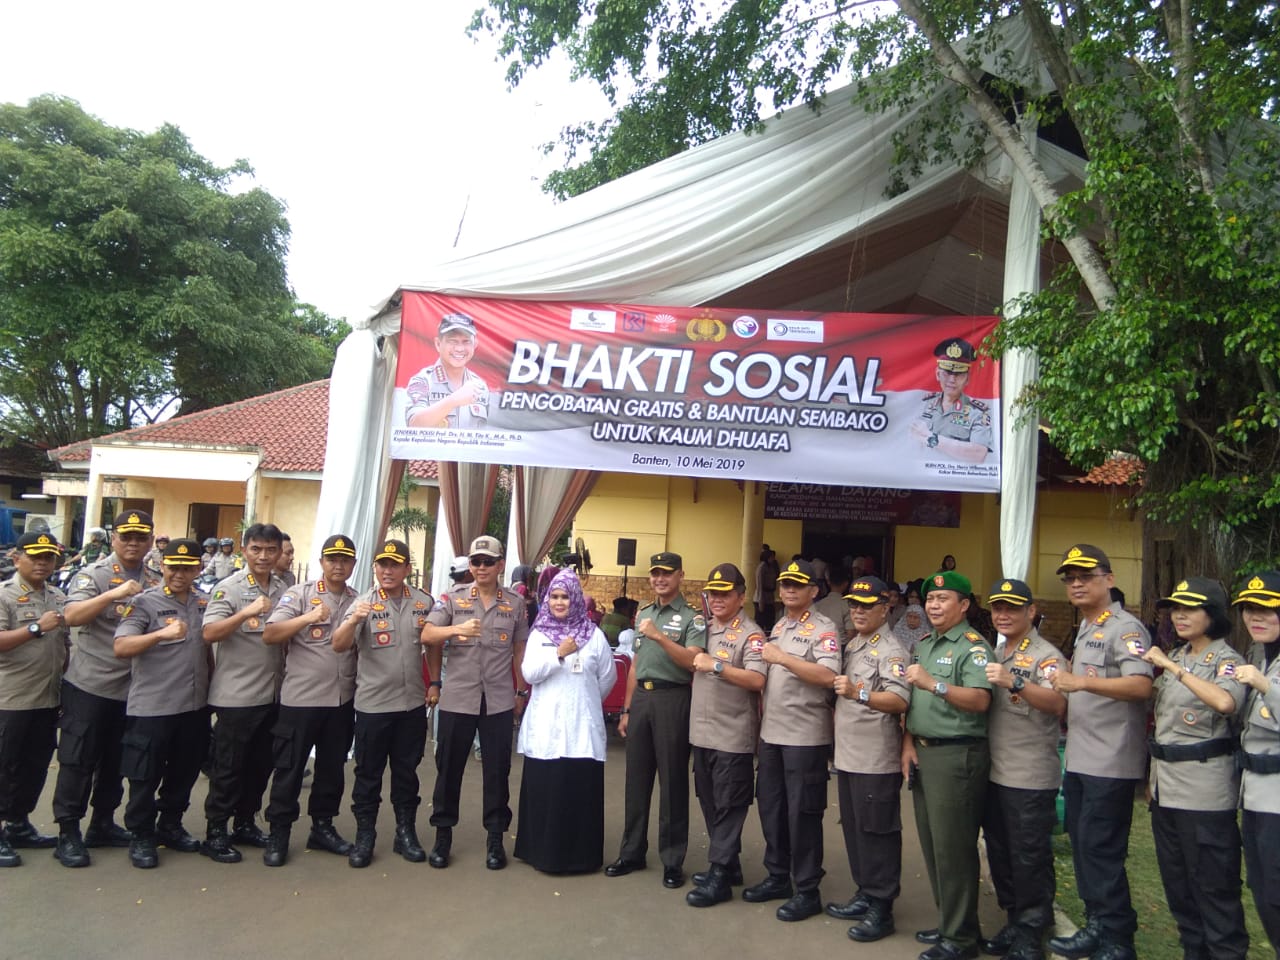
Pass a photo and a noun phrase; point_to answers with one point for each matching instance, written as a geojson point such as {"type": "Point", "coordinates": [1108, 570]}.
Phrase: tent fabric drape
{"type": "Point", "coordinates": [466, 496]}
{"type": "Point", "coordinates": [546, 499]}
{"type": "Point", "coordinates": [389, 495]}
{"type": "Point", "coordinates": [1017, 369]}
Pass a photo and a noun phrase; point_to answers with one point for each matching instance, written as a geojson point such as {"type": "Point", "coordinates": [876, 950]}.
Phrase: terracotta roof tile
{"type": "Point", "coordinates": [1118, 471]}
{"type": "Point", "coordinates": [289, 425]}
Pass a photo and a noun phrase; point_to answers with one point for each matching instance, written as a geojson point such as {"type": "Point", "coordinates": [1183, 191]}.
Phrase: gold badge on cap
{"type": "Point", "coordinates": [1182, 586]}
{"type": "Point", "coordinates": [939, 580]}
{"type": "Point", "coordinates": [182, 549]}
{"type": "Point", "coordinates": [1074, 552]}
{"type": "Point", "coordinates": [793, 568]}
{"type": "Point", "coordinates": [1256, 583]}
{"type": "Point", "coordinates": [1006, 586]}
{"type": "Point", "coordinates": [339, 542]}
{"type": "Point", "coordinates": [716, 575]}
{"type": "Point", "coordinates": [134, 518]}
{"type": "Point", "coordinates": [954, 351]}
{"type": "Point", "coordinates": [390, 548]}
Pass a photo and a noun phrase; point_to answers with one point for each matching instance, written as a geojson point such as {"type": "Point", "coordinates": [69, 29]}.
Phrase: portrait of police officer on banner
{"type": "Point", "coordinates": [446, 393]}
{"type": "Point", "coordinates": [951, 423]}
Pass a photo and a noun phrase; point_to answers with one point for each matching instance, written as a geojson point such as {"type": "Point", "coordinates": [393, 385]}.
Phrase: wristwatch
{"type": "Point", "coordinates": [718, 668]}
{"type": "Point", "coordinates": [522, 693]}
{"type": "Point", "coordinates": [1018, 683]}
{"type": "Point", "coordinates": [35, 630]}
{"type": "Point", "coordinates": [940, 689]}
{"type": "Point", "coordinates": [932, 441]}
{"type": "Point", "coordinates": [864, 695]}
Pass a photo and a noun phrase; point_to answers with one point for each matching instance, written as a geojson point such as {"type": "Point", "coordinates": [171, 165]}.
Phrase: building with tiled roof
{"type": "Point", "coordinates": [202, 473]}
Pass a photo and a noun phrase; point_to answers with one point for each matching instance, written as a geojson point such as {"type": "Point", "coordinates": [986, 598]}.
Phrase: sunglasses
{"type": "Point", "coordinates": [484, 561]}
{"type": "Point", "coordinates": [1073, 578]}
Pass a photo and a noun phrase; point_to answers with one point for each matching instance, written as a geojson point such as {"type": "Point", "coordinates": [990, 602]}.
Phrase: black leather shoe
{"type": "Point", "coordinates": [734, 874]}
{"type": "Point", "coordinates": [249, 834]}
{"type": "Point", "coordinates": [175, 837]}
{"type": "Point", "coordinates": [805, 904]}
{"type": "Point", "coordinates": [142, 853]}
{"type": "Point", "coordinates": [946, 950]}
{"type": "Point", "coordinates": [23, 835]}
{"type": "Point", "coordinates": [277, 849]}
{"type": "Point", "coordinates": [621, 867]}
{"type": "Point", "coordinates": [1080, 944]}
{"type": "Point", "coordinates": [877, 922]}
{"type": "Point", "coordinates": [8, 856]}
{"type": "Point", "coordinates": [672, 878]}
{"type": "Point", "coordinates": [855, 909]}
{"type": "Point", "coordinates": [770, 888]}
{"type": "Point", "coordinates": [361, 854]}
{"type": "Point", "coordinates": [928, 936]}
{"type": "Point", "coordinates": [106, 833]}
{"type": "Point", "coordinates": [999, 945]}
{"type": "Point", "coordinates": [324, 836]}
{"type": "Point", "coordinates": [439, 855]}
{"type": "Point", "coordinates": [1115, 951]}
{"type": "Point", "coordinates": [495, 857]}
{"type": "Point", "coordinates": [70, 851]}
{"type": "Point", "coordinates": [217, 844]}
{"type": "Point", "coordinates": [715, 889]}
{"type": "Point", "coordinates": [1026, 948]}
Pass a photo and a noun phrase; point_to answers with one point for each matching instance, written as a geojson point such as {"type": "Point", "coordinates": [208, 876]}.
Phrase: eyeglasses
{"type": "Point", "coordinates": [133, 537]}
{"type": "Point", "coordinates": [484, 561]}
{"type": "Point", "coordinates": [1073, 578]}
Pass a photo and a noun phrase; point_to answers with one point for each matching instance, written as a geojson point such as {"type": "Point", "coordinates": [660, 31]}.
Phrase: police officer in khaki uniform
{"type": "Point", "coordinates": [486, 628]}
{"type": "Point", "coordinates": [244, 693]}
{"type": "Point", "coordinates": [94, 690]}
{"type": "Point", "coordinates": [1023, 729]}
{"type": "Point", "coordinates": [803, 654]}
{"type": "Point", "coordinates": [33, 651]}
{"type": "Point", "coordinates": [385, 626]}
{"type": "Point", "coordinates": [224, 562]}
{"type": "Point", "coordinates": [724, 722]}
{"type": "Point", "coordinates": [871, 695]}
{"type": "Point", "coordinates": [952, 423]}
{"type": "Point", "coordinates": [1259, 602]}
{"type": "Point", "coordinates": [316, 708]}
{"type": "Point", "coordinates": [655, 722]}
{"type": "Point", "coordinates": [1193, 783]}
{"type": "Point", "coordinates": [166, 734]}
{"type": "Point", "coordinates": [1107, 690]}
{"type": "Point", "coordinates": [446, 393]}
{"type": "Point", "coordinates": [948, 753]}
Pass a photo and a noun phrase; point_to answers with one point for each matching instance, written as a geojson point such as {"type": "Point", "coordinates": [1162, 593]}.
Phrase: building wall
{"type": "Point", "coordinates": [291, 506]}
{"type": "Point", "coordinates": [172, 499]}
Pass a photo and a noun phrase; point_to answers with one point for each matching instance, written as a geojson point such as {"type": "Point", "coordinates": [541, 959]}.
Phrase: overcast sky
{"type": "Point", "coordinates": [373, 122]}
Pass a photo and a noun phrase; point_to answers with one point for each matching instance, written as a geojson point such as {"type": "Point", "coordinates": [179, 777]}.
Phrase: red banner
{"type": "Point", "coordinates": [875, 400]}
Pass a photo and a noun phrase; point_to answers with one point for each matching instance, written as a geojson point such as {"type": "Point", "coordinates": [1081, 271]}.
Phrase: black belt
{"type": "Point", "coordinates": [946, 741]}
{"type": "Point", "coordinates": [1260, 762]}
{"type": "Point", "coordinates": [1183, 752]}
{"type": "Point", "coordinates": [659, 685]}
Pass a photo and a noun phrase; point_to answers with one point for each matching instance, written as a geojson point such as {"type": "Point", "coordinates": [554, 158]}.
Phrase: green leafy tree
{"type": "Point", "coordinates": [1159, 337]}
{"type": "Point", "coordinates": [137, 277]}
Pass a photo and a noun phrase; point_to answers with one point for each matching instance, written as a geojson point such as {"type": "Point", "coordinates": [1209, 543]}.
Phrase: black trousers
{"type": "Point", "coordinates": [1261, 832]}
{"type": "Point", "coordinates": [871, 818]}
{"type": "Point", "coordinates": [723, 783]}
{"type": "Point", "coordinates": [453, 749]}
{"type": "Point", "coordinates": [161, 757]}
{"type": "Point", "coordinates": [88, 756]}
{"type": "Point", "coordinates": [297, 731]}
{"type": "Point", "coordinates": [657, 746]}
{"type": "Point", "coordinates": [398, 738]}
{"type": "Point", "coordinates": [791, 786]}
{"type": "Point", "coordinates": [1199, 856]}
{"type": "Point", "coordinates": [1099, 815]}
{"type": "Point", "coordinates": [26, 745]}
{"type": "Point", "coordinates": [240, 761]}
{"type": "Point", "coordinates": [1018, 827]}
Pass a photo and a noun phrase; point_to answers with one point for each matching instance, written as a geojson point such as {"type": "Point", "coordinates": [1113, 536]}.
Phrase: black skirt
{"type": "Point", "coordinates": [561, 825]}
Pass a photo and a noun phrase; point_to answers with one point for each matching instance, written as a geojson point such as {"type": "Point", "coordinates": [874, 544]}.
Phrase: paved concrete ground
{"type": "Point", "coordinates": [317, 907]}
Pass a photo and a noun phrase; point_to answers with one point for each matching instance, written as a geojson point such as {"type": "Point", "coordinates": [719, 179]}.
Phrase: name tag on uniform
{"type": "Point", "coordinates": [577, 665]}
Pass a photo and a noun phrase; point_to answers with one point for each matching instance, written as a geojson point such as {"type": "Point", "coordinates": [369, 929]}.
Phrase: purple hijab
{"type": "Point", "coordinates": [576, 623]}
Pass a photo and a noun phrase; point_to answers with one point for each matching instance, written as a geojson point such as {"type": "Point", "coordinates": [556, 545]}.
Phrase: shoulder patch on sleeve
{"type": "Point", "coordinates": [973, 636]}
{"type": "Point", "coordinates": [828, 642]}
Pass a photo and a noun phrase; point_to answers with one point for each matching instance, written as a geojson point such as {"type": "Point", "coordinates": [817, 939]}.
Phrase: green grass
{"type": "Point", "coordinates": [1157, 937]}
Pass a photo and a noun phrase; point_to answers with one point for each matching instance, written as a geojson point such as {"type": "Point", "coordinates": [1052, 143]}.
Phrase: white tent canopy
{"type": "Point", "coordinates": [795, 216]}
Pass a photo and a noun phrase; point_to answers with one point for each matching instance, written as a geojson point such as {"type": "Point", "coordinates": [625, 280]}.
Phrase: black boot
{"type": "Point", "coordinates": [854, 909]}
{"type": "Point", "coordinates": [104, 832]}
{"type": "Point", "coordinates": [248, 834]}
{"type": "Point", "coordinates": [142, 852]}
{"type": "Point", "coordinates": [71, 851]}
{"type": "Point", "coordinates": [323, 836]}
{"type": "Point", "coordinates": [877, 922]}
{"type": "Point", "coordinates": [1027, 946]}
{"type": "Point", "coordinates": [277, 849]}
{"type": "Point", "coordinates": [716, 889]}
{"type": "Point", "coordinates": [999, 945]}
{"type": "Point", "coordinates": [733, 871]}
{"type": "Point", "coordinates": [22, 834]}
{"type": "Point", "coordinates": [772, 887]}
{"type": "Point", "coordinates": [439, 856]}
{"type": "Point", "coordinates": [361, 854]}
{"type": "Point", "coordinates": [171, 833]}
{"type": "Point", "coordinates": [406, 843]}
{"type": "Point", "coordinates": [8, 856]}
{"type": "Point", "coordinates": [1080, 944]}
{"type": "Point", "coordinates": [217, 843]}
{"type": "Point", "coordinates": [495, 857]}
